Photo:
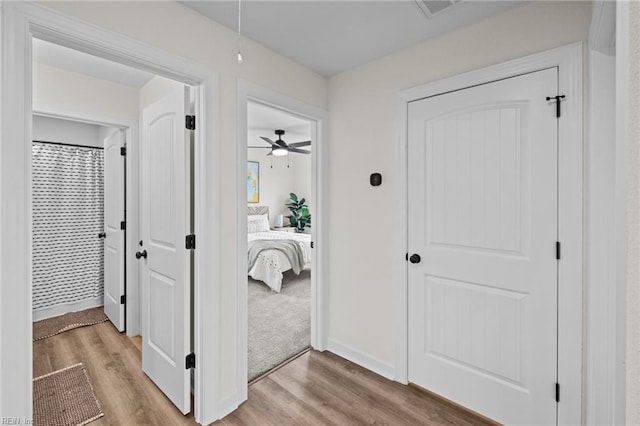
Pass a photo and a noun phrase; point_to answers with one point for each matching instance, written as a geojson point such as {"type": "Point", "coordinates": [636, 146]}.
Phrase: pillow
{"type": "Point", "coordinates": [257, 223]}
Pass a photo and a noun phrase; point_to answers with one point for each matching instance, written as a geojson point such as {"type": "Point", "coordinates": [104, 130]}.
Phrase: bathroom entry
{"type": "Point", "coordinates": [68, 169]}
{"type": "Point", "coordinates": [144, 268]}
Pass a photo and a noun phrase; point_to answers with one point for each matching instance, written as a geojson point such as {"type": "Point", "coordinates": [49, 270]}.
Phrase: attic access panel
{"type": "Point", "coordinates": [435, 7]}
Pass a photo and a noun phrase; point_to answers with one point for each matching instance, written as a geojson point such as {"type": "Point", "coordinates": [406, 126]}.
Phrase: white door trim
{"type": "Point", "coordinates": [568, 59]}
{"type": "Point", "coordinates": [601, 399]}
{"type": "Point", "coordinates": [319, 129]}
{"type": "Point", "coordinates": [623, 201]}
{"type": "Point", "coordinates": [21, 21]}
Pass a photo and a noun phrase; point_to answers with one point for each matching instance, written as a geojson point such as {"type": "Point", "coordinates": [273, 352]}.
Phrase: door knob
{"type": "Point", "coordinates": [140, 254]}
{"type": "Point", "coordinates": [102, 235]}
{"type": "Point", "coordinates": [415, 258]}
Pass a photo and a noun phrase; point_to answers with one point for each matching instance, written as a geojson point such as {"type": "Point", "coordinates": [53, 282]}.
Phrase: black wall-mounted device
{"type": "Point", "coordinates": [375, 179]}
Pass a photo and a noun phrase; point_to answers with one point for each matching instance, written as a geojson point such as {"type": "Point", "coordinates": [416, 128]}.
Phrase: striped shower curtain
{"type": "Point", "coordinates": [68, 259]}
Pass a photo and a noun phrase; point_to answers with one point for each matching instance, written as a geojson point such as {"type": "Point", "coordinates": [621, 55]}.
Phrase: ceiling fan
{"type": "Point", "coordinates": [280, 147]}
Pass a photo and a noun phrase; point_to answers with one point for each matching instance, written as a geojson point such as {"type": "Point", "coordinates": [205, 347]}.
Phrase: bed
{"type": "Point", "coordinates": [270, 263]}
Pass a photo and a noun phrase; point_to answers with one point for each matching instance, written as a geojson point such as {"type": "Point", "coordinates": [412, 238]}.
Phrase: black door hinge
{"type": "Point", "coordinates": [558, 100]}
{"type": "Point", "coordinates": [190, 242]}
{"type": "Point", "coordinates": [406, 257]}
{"type": "Point", "coordinates": [123, 299]}
{"type": "Point", "coordinates": [123, 225]}
{"type": "Point", "coordinates": [557, 392]}
{"type": "Point", "coordinates": [311, 244]}
{"type": "Point", "coordinates": [123, 150]}
{"type": "Point", "coordinates": [190, 121]}
{"type": "Point", "coordinates": [190, 361]}
{"type": "Point", "coordinates": [558, 250]}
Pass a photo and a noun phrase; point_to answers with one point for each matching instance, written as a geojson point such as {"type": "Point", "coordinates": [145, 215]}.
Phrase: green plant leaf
{"type": "Point", "coordinates": [293, 196]}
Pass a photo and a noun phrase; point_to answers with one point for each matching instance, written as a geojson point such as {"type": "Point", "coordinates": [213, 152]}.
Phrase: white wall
{"type": "Point", "coordinates": [65, 131]}
{"type": "Point", "coordinates": [276, 183]}
{"type": "Point", "coordinates": [361, 141]}
{"type": "Point", "coordinates": [172, 27]}
{"type": "Point", "coordinates": [157, 88]}
{"type": "Point", "coordinates": [106, 131]}
{"type": "Point", "coordinates": [69, 94]}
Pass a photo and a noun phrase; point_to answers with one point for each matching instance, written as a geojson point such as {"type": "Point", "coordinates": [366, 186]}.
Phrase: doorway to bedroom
{"type": "Point", "coordinates": [280, 207]}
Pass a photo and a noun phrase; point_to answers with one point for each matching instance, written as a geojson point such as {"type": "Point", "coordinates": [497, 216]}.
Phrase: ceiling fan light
{"type": "Point", "coordinates": [279, 152]}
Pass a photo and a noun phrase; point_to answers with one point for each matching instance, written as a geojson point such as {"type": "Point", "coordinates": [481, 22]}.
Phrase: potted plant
{"type": "Point", "coordinates": [300, 217]}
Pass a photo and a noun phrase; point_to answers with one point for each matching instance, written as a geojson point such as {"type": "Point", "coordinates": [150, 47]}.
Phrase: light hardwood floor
{"type": "Point", "coordinates": [314, 389]}
{"type": "Point", "coordinates": [320, 388]}
{"type": "Point", "coordinates": [114, 363]}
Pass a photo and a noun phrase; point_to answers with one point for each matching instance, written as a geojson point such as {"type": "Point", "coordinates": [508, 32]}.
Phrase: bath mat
{"type": "Point", "coordinates": [56, 325]}
{"type": "Point", "coordinates": [65, 398]}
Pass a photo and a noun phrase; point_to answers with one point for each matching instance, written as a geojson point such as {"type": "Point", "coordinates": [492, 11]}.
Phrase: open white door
{"type": "Point", "coordinates": [114, 236]}
{"type": "Point", "coordinates": [483, 220]}
{"type": "Point", "coordinates": [166, 220]}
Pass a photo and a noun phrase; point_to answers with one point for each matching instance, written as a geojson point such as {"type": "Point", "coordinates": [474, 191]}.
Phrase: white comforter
{"type": "Point", "coordinates": [272, 263]}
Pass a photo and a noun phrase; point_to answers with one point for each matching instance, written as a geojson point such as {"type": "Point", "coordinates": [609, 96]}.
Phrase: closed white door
{"type": "Point", "coordinates": [483, 220]}
{"type": "Point", "coordinates": [165, 223]}
{"type": "Point", "coordinates": [114, 241]}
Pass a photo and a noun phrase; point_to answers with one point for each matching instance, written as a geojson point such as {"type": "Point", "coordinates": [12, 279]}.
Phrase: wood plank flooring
{"type": "Point", "coordinates": [114, 363]}
{"type": "Point", "coordinates": [314, 389]}
{"type": "Point", "coordinates": [321, 388]}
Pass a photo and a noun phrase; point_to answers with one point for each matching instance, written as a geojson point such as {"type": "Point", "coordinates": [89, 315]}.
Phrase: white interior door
{"type": "Point", "coordinates": [483, 218]}
{"type": "Point", "coordinates": [114, 241]}
{"type": "Point", "coordinates": [165, 223]}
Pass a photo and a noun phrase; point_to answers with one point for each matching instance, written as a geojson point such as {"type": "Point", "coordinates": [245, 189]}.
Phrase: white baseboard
{"type": "Point", "coordinates": [362, 359]}
{"type": "Point", "coordinates": [54, 311]}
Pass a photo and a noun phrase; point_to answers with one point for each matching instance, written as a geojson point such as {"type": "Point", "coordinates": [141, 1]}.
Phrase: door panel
{"type": "Point", "coordinates": [114, 242]}
{"type": "Point", "coordinates": [483, 217]}
{"type": "Point", "coordinates": [166, 271]}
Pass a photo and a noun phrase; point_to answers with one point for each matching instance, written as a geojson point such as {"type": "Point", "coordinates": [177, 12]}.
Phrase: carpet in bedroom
{"type": "Point", "coordinates": [279, 323]}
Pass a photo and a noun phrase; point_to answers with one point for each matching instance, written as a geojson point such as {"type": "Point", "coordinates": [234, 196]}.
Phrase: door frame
{"type": "Point", "coordinates": [568, 60]}
{"type": "Point", "coordinates": [605, 301]}
{"type": "Point", "coordinates": [319, 129]}
{"type": "Point", "coordinates": [18, 24]}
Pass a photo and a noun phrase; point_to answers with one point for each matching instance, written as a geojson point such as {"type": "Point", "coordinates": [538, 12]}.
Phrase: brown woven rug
{"type": "Point", "coordinates": [65, 398]}
{"type": "Point", "coordinates": [56, 325]}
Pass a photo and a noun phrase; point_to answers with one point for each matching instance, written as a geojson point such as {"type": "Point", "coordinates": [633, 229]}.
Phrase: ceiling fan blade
{"type": "Point", "coordinates": [299, 151]}
{"type": "Point", "coordinates": [270, 153]}
{"type": "Point", "coordinates": [268, 140]}
{"type": "Point", "coordinates": [299, 144]}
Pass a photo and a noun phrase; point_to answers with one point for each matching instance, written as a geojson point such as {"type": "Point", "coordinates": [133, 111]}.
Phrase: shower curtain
{"type": "Point", "coordinates": [68, 259]}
